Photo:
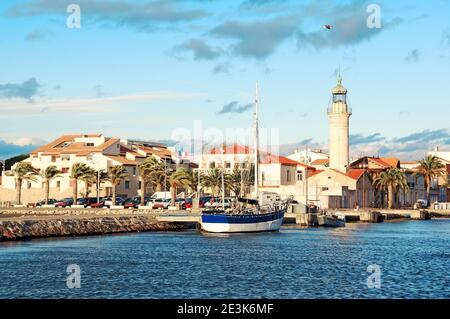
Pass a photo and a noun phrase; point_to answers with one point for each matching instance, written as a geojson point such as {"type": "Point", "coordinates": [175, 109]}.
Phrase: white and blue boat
{"type": "Point", "coordinates": [260, 219]}
{"type": "Point", "coordinates": [266, 213]}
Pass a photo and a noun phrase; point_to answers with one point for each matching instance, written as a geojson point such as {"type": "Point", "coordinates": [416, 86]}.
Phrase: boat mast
{"type": "Point", "coordinates": [256, 138]}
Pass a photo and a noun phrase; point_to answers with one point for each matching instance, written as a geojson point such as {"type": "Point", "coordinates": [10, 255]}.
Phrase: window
{"type": "Point", "coordinates": [299, 176]}
{"type": "Point", "coordinates": [53, 158]}
{"type": "Point", "coordinates": [134, 171]}
{"type": "Point", "coordinates": [65, 157]}
{"type": "Point", "coordinates": [263, 176]}
{"type": "Point", "coordinates": [58, 185]}
{"type": "Point", "coordinates": [339, 98]}
{"type": "Point", "coordinates": [65, 170]}
{"type": "Point", "coordinates": [29, 185]}
{"type": "Point", "coordinates": [288, 176]}
{"type": "Point", "coordinates": [90, 144]}
{"type": "Point", "coordinates": [127, 184]}
{"type": "Point", "coordinates": [212, 165]}
{"type": "Point", "coordinates": [227, 165]}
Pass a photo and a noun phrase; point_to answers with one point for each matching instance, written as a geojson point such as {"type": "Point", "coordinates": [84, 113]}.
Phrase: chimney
{"type": "Point", "coordinates": [436, 149]}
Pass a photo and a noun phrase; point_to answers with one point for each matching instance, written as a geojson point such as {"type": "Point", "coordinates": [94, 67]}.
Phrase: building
{"type": "Point", "coordinates": [310, 157]}
{"type": "Point", "coordinates": [95, 150]}
{"type": "Point", "coordinates": [442, 185]}
{"type": "Point", "coordinates": [276, 173]}
{"type": "Point", "coordinates": [338, 118]}
{"type": "Point", "coordinates": [332, 183]}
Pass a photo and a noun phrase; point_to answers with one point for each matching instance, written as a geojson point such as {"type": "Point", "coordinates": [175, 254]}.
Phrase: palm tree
{"type": "Point", "coordinates": [79, 171]}
{"type": "Point", "coordinates": [89, 179]}
{"type": "Point", "coordinates": [116, 174]}
{"type": "Point", "coordinates": [213, 180]}
{"type": "Point", "coordinates": [179, 178]}
{"type": "Point", "coordinates": [430, 167]}
{"type": "Point", "coordinates": [24, 171]}
{"type": "Point", "coordinates": [234, 181]}
{"type": "Point", "coordinates": [392, 180]}
{"type": "Point", "coordinates": [194, 176]}
{"type": "Point", "coordinates": [150, 170]}
{"type": "Point", "coordinates": [47, 175]}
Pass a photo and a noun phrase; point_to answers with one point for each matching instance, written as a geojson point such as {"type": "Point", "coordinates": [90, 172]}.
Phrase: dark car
{"type": "Point", "coordinates": [65, 202]}
{"type": "Point", "coordinates": [108, 201]}
{"type": "Point", "coordinates": [86, 201]}
{"type": "Point", "coordinates": [51, 201]}
{"type": "Point", "coordinates": [131, 203]}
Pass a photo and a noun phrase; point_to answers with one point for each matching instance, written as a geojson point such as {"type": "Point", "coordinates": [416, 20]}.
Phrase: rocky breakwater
{"type": "Point", "coordinates": [24, 228]}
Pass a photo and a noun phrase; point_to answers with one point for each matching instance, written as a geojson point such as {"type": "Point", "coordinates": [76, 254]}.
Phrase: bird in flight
{"type": "Point", "coordinates": [328, 26]}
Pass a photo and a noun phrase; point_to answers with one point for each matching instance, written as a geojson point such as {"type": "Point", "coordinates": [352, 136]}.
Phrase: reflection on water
{"type": "Point", "coordinates": [296, 262]}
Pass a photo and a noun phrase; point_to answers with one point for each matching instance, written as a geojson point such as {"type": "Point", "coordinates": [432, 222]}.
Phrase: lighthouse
{"type": "Point", "coordinates": [338, 118]}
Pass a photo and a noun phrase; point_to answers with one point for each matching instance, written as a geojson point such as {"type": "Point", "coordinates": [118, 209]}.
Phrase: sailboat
{"type": "Point", "coordinates": [264, 213]}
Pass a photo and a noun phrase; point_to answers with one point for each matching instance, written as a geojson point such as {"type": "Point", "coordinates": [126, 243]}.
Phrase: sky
{"type": "Point", "coordinates": [149, 69]}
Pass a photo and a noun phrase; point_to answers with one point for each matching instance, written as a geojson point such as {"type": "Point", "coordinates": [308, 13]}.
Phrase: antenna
{"type": "Point", "coordinates": [256, 138]}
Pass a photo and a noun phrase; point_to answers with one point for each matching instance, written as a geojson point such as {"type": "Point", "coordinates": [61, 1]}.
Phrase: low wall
{"type": "Point", "coordinates": [27, 228]}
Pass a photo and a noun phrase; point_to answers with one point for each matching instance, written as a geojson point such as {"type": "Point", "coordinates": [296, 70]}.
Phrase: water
{"type": "Point", "coordinates": [414, 257]}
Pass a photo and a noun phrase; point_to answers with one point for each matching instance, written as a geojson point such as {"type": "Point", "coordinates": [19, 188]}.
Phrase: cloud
{"type": "Point", "coordinates": [446, 36]}
{"type": "Point", "coordinates": [8, 150]}
{"type": "Point", "coordinates": [26, 90]}
{"type": "Point", "coordinates": [144, 16]}
{"type": "Point", "coordinates": [37, 35]}
{"type": "Point", "coordinates": [257, 39]}
{"type": "Point", "coordinates": [349, 26]}
{"type": "Point", "coordinates": [235, 107]}
{"type": "Point", "coordinates": [98, 104]}
{"type": "Point", "coordinates": [413, 56]}
{"type": "Point", "coordinates": [200, 49]}
{"type": "Point", "coordinates": [356, 139]}
{"type": "Point", "coordinates": [424, 136]}
{"type": "Point", "coordinates": [221, 68]}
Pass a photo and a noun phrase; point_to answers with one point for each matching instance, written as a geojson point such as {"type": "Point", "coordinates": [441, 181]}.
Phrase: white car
{"type": "Point", "coordinates": [218, 204]}
{"type": "Point", "coordinates": [159, 203]}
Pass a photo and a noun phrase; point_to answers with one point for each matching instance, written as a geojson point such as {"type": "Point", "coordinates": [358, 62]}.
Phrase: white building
{"type": "Point", "coordinates": [95, 150]}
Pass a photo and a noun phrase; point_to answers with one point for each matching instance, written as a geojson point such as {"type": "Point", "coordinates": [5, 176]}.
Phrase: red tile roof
{"type": "Point", "coordinates": [355, 173]}
{"type": "Point", "coordinates": [320, 161]}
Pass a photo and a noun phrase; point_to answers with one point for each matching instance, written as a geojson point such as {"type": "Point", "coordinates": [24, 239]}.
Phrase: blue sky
{"type": "Point", "coordinates": [140, 69]}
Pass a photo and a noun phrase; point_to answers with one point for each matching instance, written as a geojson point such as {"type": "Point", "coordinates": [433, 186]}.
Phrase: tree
{"type": "Point", "coordinates": [51, 172]}
{"type": "Point", "coordinates": [430, 167]}
{"type": "Point", "coordinates": [89, 179]}
{"type": "Point", "coordinates": [234, 181]}
{"type": "Point", "coordinates": [79, 171]}
{"type": "Point", "coordinates": [116, 174]}
{"type": "Point", "coordinates": [179, 178]}
{"type": "Point", "coordinates": [150, 170]}
{"type": "Point", "coordinates": [213, 180]}
{"type": "Point", "coordinates": [24, 171]}
{"type": "Point", "coordinates": [392, 180]}
{"type": "Point", "coordinates": [194, 176]}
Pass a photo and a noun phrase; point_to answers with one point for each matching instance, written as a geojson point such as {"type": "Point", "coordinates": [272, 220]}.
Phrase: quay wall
{"type": "Point", "coordinates": [28, 228]}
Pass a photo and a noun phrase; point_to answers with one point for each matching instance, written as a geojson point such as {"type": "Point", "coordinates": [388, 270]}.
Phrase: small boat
{"type": "Point", "coordinates": [331, 221]}
{"type": "Point", "coordinates": [265, 214]}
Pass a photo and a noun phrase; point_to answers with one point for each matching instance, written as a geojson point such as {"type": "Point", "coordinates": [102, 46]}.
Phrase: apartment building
{"type": "Point", "coordinates": [97, 151]}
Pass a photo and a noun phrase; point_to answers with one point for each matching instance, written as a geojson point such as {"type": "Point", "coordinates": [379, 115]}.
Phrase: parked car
{"type": "Point", "coordinates": [65, 202]}
{"type": "Point", "coordinates": [217, 204]}
{"type": "Point", "coordinates": [99, 204]}
{"type": "Point", "coordinates": [160, 203]}
{"type": "Point", "coordinates": [187, 203]}
{"type": "Point", "coordinates": [131, 203]}
{"type": "Point", "coordinates": [51, 201]}
{"type": "Point", "coordinates": [205, 199]}
{"type": "Point", "coordinates": [86, 201]}
{"type": "Point", "coordinates": [119, 201]}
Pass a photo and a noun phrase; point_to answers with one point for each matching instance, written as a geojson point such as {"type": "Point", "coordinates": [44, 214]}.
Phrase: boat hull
{"type": "Point", "coordinates": [226, 223]}
{"type": "Point", "coordinates": [328, 221]}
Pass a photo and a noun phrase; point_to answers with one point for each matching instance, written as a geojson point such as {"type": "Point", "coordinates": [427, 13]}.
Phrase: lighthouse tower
{"type": "Point", "coordinates": [338, 117]}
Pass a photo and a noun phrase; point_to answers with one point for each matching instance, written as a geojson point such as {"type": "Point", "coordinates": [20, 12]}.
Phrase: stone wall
{"type": "Point", "coordinates": [18, 229]}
